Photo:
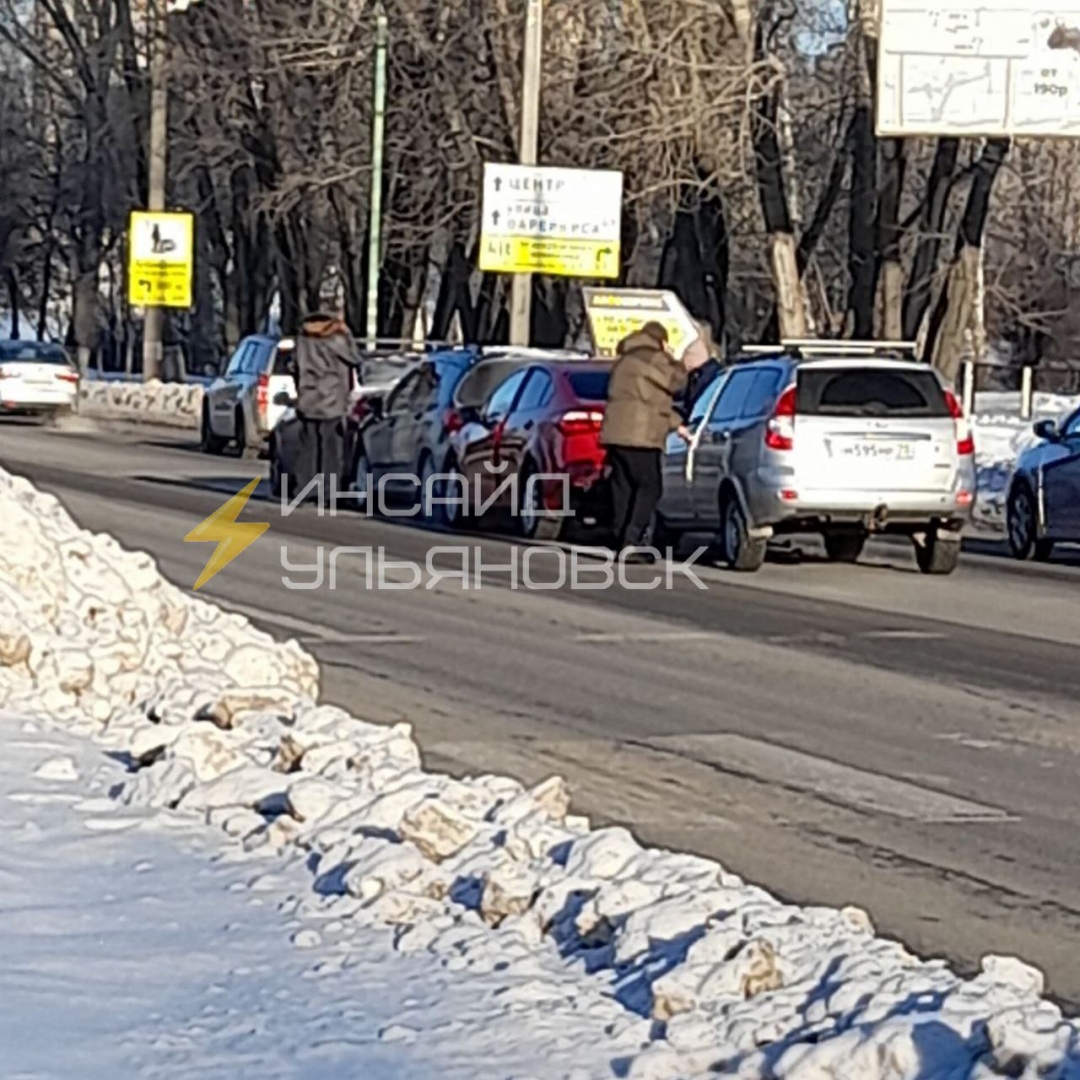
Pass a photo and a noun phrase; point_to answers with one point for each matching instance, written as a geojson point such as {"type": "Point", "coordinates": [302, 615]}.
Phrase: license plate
{"type": "Point", "coordinates": [874, 450]}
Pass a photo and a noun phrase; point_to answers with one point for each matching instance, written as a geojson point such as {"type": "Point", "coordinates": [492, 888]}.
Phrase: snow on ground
{"type": "Point", "coordinates": [591, 955]}
{"type": "Point", "coordinates": [1000, 437]}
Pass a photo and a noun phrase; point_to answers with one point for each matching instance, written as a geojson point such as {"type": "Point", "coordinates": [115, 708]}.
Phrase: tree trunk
{"type": "Point", "coordinates": [932, 222]}
{"type": "Point", "coordinates": [783, 256]}
{"type": "Point", "coordinates": [957, 310]}
{"type": "Point", "coordinates": [13, 300]}
{"type": "Point", "coordinates": [862, 264]}
{"type": "Point", "coordinates": [890, 293]}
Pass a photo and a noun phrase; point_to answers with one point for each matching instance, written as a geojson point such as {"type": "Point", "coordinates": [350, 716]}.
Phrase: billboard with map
{"type": "Point", "coordinates": [986, 68]}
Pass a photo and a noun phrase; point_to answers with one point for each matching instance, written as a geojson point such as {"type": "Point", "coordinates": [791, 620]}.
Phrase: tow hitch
{"type": "Point", "coordinates": [877, 521]}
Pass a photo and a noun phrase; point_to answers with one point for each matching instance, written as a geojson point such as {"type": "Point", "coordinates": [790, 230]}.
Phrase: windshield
{"type": "Point", "coordinates": [869, 392]}
{"type": "Point", "coordinates": [40, 352]}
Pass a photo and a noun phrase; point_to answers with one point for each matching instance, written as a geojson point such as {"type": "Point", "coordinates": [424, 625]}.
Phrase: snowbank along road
{"type": "Point", "coordinates": [837, 745]}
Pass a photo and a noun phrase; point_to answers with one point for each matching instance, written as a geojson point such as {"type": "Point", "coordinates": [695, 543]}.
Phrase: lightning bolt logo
{"type": "Point", "coordinates": [231, 536]}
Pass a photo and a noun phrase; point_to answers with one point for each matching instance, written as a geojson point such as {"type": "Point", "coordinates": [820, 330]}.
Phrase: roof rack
{"type": "Point", "coordinates": [806, 347]}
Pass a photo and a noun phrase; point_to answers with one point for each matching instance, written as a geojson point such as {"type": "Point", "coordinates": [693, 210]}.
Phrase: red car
{"type": "Point", "coordinates": [542, 422]}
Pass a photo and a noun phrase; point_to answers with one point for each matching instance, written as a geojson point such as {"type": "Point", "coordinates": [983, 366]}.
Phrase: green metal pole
{"type": "Point", "coordinates": [377, 138]}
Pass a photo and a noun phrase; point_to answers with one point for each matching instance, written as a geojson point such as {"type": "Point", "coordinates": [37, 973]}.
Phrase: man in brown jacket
{"type": "Point", "coordinates": [640, 416]}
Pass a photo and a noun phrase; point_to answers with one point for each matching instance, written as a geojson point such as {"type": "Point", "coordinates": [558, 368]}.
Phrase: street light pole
{"type": "Point", "coordinates": [159, 131]}
{"type": "Point", "coordinates": [377, 139]}
{"type": "Point", "coordinates": [521, 295]}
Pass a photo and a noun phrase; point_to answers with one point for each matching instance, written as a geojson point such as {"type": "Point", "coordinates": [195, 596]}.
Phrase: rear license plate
{"type": "Point", "coordinates": [878, 450]}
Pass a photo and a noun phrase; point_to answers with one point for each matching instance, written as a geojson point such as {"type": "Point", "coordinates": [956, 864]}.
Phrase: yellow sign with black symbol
{"type": "Point", "coordinates": [161, 259]}
{"type": "Point", "coordinates": [557, 257]}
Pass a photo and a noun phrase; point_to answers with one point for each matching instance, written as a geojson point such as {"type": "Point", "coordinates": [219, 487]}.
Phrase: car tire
{"type": "Point", "coordinates": [243, 448]}
{"type": "Point", "coordinates": [277, 480]}
{"type": "Point", "coordinates": [361, 479]}
{"type": "Point", "coordinates": [533, 520]}
{"type": "Point", "coordinates": [938, 553]}
{"type": "Point", "coordinates": [433, 513]}
{"type": "Point", "coordinates": [209, 443]}
{"type": "Point", "coordinates": [1021, 527]}
{"type": "Point", "coordinates": [662, 536]}
{"type": "Point", "coordinates": [459, 515]}
{"type": "Point", "coordinates": [845, 547]}
{"type": "Point", "coordinates": [739, 549]}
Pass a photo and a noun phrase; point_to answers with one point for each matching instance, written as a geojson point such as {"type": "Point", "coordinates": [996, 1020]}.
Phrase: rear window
{"type": "Point", "coordinates": [284, 359]}
{"type": "Point", "coordinates": [386, 370]}
{"type": "Point", "coordinates": [482, 381]}
{"type": "Point", "coordinates": [590, 385]}
{"type": "Point", "coordinates": [869, 392]}
{"type": "Point", "coordinates": [40, 352]}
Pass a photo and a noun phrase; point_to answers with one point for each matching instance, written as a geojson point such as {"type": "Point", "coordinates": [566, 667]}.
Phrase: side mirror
{"type": "Point", "coordinates": [283, 398]}
{"type": "Point", "coordinates": [1048, 430]}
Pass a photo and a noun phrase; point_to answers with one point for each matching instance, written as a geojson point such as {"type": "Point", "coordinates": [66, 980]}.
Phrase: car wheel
{"type": "Point", "coordinates": [662, 536]}
{"type": "Point", "coordinates": [938, 553]}
{"type": "Point", "coordinates": [243, 448]}
{"type": "Point", "coordinates": [277, 479]}
{"type": "Point", "coordinates": [534, 522]}
{"type": "Point", "coordinates": [844, 546]}
{"type": "Point", "coordinates": [430, 490]}
{"type": "Point", "coordinates": [456, 515]}
{"type": "Point", "coordinates": [209, 443]}
{"type": "Point", "coordinates": [361, 479]}
{"type": "Point", "coordinates": [1022, 527]}
{"type": "Point", "coordinates": [740, 550]}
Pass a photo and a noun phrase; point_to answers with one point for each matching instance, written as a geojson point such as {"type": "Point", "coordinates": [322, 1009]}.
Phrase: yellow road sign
{"type": "Point", "coordinates": [566, 258]}
{"type": "Point", "coordinates": [615, 313]}
{"type": "Point", "coordinates": [539, 219]}
{"type": "Point", "coordinates": [161, 259]}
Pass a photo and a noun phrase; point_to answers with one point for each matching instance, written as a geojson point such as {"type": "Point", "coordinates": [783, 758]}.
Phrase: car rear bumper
{"type": "Point", "coordinates": [886, 512]}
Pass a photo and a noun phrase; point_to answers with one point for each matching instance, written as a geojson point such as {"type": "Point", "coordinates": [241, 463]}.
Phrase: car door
{"type": "Point", "coordinates": [710, 456]}
{"type": "Point", "coordinates": [1061, 484]}
{"type": "Point", "coordinates": [676, 504]}
{"type": "Point", "coordinates": [380, 438]}
{"type": "Point", "coordinates": [748, 431]}
{"type": "Point", "coordinates": [521, 428]}
{"type": "Point", "coordinates": [226, 392]}
{"type": "Point", "coordinates": [482, 461]}
{"type": "Point", "coordinates": [408, 430]}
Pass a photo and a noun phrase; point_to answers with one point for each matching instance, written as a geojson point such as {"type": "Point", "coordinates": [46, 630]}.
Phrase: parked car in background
{"type": "Point", "coordinates": [826, 438]}
{"type": "Point", "coordinates": [37, 378]}
{"type": "Point", "coordinates": [378, 374]}
{"type": "Point", "coordinates": [1043, 507]}
{"type": "Point", "coordinates": [239, 407]}
{"type": "Point", "coordinates": [542, 421]}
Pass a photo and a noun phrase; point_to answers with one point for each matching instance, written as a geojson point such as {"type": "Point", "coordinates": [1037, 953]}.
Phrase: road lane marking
{"type": "Point", "coordinates": [829, 780]}
{"type": "Point", "coordinates": [647, 636]}
{"type": "Point", "coordinates": [311, 631]}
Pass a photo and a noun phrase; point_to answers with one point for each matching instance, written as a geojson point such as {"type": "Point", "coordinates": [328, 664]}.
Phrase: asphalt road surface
{"type": "Point", "coordinates": [839, 734]}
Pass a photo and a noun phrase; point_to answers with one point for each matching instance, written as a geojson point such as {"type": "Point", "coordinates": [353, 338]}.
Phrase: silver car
{"type": "Point", "coordinates": [1043, 507]}
{"type": "Point", "coordinates": [240, 407]}
{"type": "Point", "coordinates": [844, 445]}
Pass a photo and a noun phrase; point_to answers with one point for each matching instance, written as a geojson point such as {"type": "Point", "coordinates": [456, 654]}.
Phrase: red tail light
{"type": "Point", "coordinates": [359, 410]}
{"type": "Point", "coordinates": [262, 394]}
{"type": "Point", "coordinates": [780, 432]}
{"type": "Point", "coordinates": [68, 376]}
{"type": "Point", "coordinates": [452, 421]}
{"type": "Point", "coordinates": [965, 441]}
{"type": "Point", "coordinates": [581, 422]}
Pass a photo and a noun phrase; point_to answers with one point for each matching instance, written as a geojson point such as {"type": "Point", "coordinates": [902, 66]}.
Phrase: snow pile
{"type": "Point", "coordinates": [1000, 438]}
{"type": "Point", "coordinates": [172, 404]}
{"type": "Point", "coordinates": [665, 952]}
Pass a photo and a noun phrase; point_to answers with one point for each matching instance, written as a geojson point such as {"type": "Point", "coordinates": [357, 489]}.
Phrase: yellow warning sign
{"type": "Point", "coordinates": [616, 313]}
{"type": "Point", "coordinates": [161, 259]}
{"type": "Point", "coordinates": [565, 258]}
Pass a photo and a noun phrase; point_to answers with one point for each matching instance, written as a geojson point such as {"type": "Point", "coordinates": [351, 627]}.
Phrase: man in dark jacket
{"type": "Point", "coordinates": [325, 360]}
{"type": "Point", "coordinates": [639, 418]}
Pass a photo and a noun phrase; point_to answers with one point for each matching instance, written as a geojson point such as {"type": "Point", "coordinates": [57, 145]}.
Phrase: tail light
{"type": "Point", "coordinates": [965, 441]}
{"type": "Point", "coordinates": [780, 431]}
{"type": "Point", "coordinates": [581, 422]}
{"type": "Point", "coordinates": [63, 376]}
{"type": "Point", "coordinates": [262, 395]}
{"type": "Point", "coordinates": [453, 421]}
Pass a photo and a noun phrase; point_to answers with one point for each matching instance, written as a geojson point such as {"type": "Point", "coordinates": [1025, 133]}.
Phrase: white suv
{"type": "Point", "coordinates": [830, 438]}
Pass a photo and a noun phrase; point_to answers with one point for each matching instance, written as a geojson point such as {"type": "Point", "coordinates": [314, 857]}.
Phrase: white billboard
{"type": "Point", "coordinates": [979, 68]}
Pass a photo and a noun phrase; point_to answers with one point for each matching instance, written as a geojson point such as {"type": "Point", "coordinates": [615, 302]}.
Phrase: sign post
{"type": "Point", "coordinates": [615, 313]}
{"type": "Point", "coordinates": [161, 259]}
{"type": "Point", "coordinates": [543, 220]}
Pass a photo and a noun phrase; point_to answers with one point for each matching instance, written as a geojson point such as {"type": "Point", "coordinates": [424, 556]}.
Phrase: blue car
{"type": "Point", "coordinates": [1043, 507]}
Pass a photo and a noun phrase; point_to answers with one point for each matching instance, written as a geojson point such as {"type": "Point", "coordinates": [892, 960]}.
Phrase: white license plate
{"type": "Point", "coordinates": [878, 450]}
